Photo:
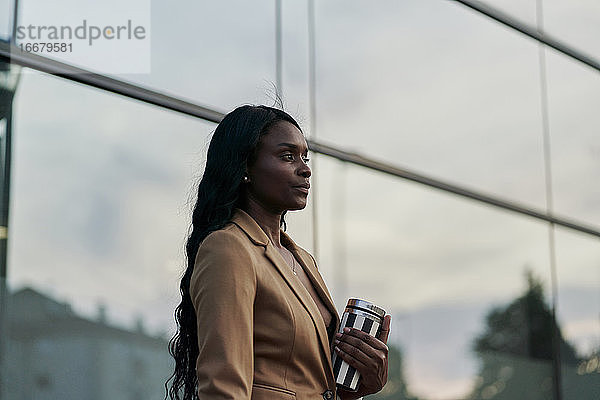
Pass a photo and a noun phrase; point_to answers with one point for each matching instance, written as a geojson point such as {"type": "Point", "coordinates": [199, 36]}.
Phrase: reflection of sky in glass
{"type": "Point", "coordinates": [102, 37]}
{"type": "Point", "coordinates": [579, 289]}
{"type": "Point", "coordinates": [439, 263]}
{"type": "Point", "coordinates": [523, 11]}
{"type": "Point", "coordinates": [445, 115]}
{"type": "Point", "coordinates": [574, 22]}
{"type": "Point", "coordinates": [101, 184]}
{"type": "Point", "coordinates": [5, 20]}
{"type": "Point", "coordinates": [574, 100]}
{"type": "Point", "coordinates": [100, 191]}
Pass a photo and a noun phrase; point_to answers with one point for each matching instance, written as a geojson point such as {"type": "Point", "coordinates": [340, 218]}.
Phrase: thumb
{"type": "Point", "coordinates": [385, 329]}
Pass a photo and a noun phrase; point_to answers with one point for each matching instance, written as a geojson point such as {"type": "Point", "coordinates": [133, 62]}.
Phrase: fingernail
{"type": "Point", "coordinates": [338, 335]}
{"type": "Point", "coordinates": [336, 341]}
{"type": "Point", "coordinates": [346, 330]}
{"type": "Point", "coordinates": [337, 349]}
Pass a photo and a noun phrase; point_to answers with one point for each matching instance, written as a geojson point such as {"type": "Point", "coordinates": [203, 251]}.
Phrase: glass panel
{"type": "Point", "coordinates": [575, 22]}
{"type": "Point", "coordinates": [6, 19]}
{"type": "Point", "coordinates": [520, 10]}
{"type": "Point", "coordinates": [454, 276]}
{"type": "Point", "coordinates": [574, 99]}
{"type": "Point", "coordinates": [228, 48]}
{"type": "Point", "coordinates": [224, 52]}
{"type": "Point", "coordinates": [436, 89]}
{"type": "Point", "coordinates": [578, 313]}
{"type": "Point", "coordinates": [107, 38]}
{"type": "Point", "coordinates": [99, 211]}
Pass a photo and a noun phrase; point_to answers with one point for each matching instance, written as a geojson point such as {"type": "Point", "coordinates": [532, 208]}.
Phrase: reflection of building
{"type": "Point", "coordinates": [9, 78]}
{"type": "Point", "coordinates": [583, 382]}
{"type": "Point", "coordinates": [508, 377]}
{"type": "Point", "coordinates": [516, 353]}
{"type": "Point", "coordinates": [55, 354]}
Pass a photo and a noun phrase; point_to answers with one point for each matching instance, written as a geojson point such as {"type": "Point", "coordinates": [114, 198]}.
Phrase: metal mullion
{"type": "Point", "coordinates": [14, 55]}
{"type": "Point", "coordinates": [379, 166]}
{"type": "Point", "coordinates": [533, 33]}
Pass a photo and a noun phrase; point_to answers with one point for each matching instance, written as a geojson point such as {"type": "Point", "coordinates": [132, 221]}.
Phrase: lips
{"type": "Point", "coordinates": [303, 188]}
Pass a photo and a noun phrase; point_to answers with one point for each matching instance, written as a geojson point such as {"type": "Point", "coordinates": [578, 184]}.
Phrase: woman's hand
{"type": "Point", "coordinates": [369, 355]}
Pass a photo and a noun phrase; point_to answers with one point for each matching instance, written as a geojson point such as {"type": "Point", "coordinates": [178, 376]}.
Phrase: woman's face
{"type": "Point", "coordinates": [279, 175]}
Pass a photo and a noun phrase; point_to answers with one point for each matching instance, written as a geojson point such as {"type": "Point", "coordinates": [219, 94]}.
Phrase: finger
{"type": "Point", "coordinates": [365, 337]}
{"type": "Point", "coordinates": [356, 348]}
{"type": "Point", "coordinates": [359, 343]}
{"type": "Point", "coordinates": [351, 358]}
{"type": "Point", "coordinates": [385, 328]}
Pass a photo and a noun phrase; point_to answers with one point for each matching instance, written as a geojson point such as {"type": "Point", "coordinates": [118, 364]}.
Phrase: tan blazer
{"type": "Point", "coordinates": [260, 334]}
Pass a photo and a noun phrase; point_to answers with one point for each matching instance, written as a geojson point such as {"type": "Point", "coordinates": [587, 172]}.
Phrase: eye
{"type": "Point", "coordinates": [306, 159]}
{"type": "Point", "coordinates": [288, 156]}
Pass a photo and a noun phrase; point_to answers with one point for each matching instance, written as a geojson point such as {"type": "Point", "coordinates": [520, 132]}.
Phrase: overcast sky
{"type": "Point", "coordinates": [102, 185]}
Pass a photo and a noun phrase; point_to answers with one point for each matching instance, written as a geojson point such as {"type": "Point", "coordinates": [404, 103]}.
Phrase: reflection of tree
{"type": "Point", "coordinates": [516, 350]}
{"type": "Point", "coordinates": [524, 328]}
{"type": "Point", "coordinates": [396, 386]}
{"type": "Point", "coordinates": [516, 354]}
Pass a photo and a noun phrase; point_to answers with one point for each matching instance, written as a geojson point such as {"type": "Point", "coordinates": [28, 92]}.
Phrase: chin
{"type": "Point", "coordinates": [300, 206]}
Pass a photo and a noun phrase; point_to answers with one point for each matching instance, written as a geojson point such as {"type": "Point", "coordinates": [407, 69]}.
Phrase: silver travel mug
{"type": "Point", "coordinates": [367, 317]}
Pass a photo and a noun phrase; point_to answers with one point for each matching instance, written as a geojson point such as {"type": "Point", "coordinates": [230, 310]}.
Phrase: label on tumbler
{"type": "Point", "coordinates": [362, 315]}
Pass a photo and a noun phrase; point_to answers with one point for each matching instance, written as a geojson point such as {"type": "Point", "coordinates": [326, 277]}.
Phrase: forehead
{"type": "Point", "coordinates": [283, 135]}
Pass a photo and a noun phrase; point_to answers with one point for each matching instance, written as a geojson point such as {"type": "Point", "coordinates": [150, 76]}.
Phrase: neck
{"type": "Point", "coordinates": [269, 221]}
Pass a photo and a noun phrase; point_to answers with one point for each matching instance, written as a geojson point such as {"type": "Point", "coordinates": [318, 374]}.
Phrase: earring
{"type": "Point", "coordinates": [246, 179]}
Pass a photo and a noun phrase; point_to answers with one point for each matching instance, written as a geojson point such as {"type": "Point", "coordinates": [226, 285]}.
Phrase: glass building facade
{"type": "Point", "coordinates": [486, 303]}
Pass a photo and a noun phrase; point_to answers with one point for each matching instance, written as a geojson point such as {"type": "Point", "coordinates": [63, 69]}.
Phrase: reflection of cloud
{"type": "Point", "coordinates": [579, 316]}
{"type": "Point", "coordinates": [442, 115]}
{"type": "Point", "coordinates": [5, 5]}
{"type": "Point", "coordinates": [430, 246]}
{"type": "Point", "coordinates": [440, 387]}
{"type": "Point", "coordinates": [436, 342]}
{"type": "Point", "coordinates": [470, 114]}
{"type": "Point", "coordinates": [583, 331]}
{"type": "Point", "coordinates": [98, 206]}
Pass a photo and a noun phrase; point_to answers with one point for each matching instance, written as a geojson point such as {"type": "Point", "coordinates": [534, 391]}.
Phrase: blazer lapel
{"type": "Point", "coordinates": [259, 237]}
{"type": "Point", "coordinates": [319, 285]}
{"type": "Point", "coordinates": [313, 274]}
{"type": "Point", "coordinates": [303, 295]}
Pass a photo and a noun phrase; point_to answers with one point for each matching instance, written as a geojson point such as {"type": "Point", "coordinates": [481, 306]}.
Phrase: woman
{"type": "Point", "coordinates": [256, 320]}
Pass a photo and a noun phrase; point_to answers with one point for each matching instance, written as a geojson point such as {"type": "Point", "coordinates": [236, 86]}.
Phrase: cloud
{"type": "Point", "coordinates": [100, 189]}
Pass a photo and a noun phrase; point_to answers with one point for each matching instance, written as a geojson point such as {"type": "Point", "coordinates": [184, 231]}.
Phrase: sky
{"type": "Point", "coordinates": [102, 185]}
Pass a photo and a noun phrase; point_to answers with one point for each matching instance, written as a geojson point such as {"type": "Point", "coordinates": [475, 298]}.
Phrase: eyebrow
{"type": "Point", "coordinates": [290, 145]}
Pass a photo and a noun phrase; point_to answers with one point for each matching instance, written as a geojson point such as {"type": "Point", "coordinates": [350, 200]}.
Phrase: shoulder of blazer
{"type": "Point", "coordinates": [250, 227]}
{"type": "Point", "coordinates": [311, 257]}
{"type": "Point", "coordinates": [226, 235]}
{"type": "Point", "coordinates": [222, 254]}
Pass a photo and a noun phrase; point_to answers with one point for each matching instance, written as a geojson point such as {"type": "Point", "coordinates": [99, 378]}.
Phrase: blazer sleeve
{"type": "Point", "coordinates": [223, 288]}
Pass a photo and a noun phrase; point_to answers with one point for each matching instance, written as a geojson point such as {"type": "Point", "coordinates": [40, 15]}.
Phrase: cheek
{"type": "Point", "coordinates": [271, 181]}
{"type": "Point", "coordinates": [274, 173]}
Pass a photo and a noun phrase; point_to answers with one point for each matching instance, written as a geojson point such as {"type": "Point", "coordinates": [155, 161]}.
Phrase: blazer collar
{"type": "Point", "coordinates": [310, 267]}
{"type": "Point", "coordinates": [250, 226]}
{"type": "Point", "coordinates": [260, 238]}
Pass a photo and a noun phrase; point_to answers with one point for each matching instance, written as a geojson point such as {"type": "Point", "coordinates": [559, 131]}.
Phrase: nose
{"type": "Point", "coordinates": [304, 171]}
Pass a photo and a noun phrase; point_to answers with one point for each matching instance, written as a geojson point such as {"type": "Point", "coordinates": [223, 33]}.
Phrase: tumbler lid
{"type": "Point", "coordinates": [367, 306]}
